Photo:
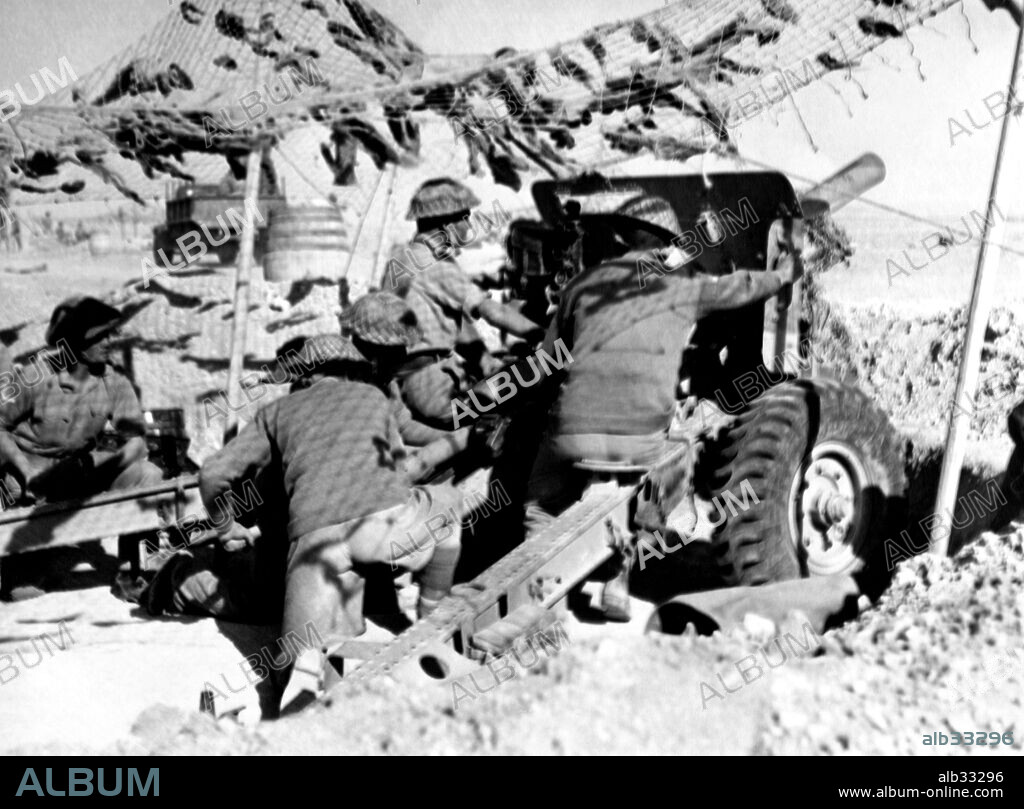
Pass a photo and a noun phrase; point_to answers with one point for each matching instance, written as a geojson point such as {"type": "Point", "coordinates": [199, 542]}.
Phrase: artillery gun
{"type": "Point", "coordinates": [822, 461]}
{"type": "Point", "coordinates": [824, 464]}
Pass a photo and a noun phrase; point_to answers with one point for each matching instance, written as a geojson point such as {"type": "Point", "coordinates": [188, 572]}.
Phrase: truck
{"type": "Point", "coordinates": [202, 209]}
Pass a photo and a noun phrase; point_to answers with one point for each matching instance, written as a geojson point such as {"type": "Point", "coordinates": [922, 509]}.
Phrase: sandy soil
{"type": "Point", "coordinates": [877, 685]}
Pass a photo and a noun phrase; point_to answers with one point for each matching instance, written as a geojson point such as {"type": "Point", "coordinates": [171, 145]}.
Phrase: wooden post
{"type": "Point", "coordinates": [243, 286]}
{"type": "Point", "coordinates": [378, 274]}
{"type": "Point", "coordinates": [359, 228]}
{"type": "Point", "coordinates": [977, 322]}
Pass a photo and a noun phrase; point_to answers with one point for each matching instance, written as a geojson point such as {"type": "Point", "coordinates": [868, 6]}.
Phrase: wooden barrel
{"type": "Point", "coordinates": [100, 243]}
{"type": "Point", "coordinates": [305, 242]}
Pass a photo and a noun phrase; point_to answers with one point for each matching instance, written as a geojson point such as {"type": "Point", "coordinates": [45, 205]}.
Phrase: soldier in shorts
{"type": "Point", "coordinates": [336, 455]}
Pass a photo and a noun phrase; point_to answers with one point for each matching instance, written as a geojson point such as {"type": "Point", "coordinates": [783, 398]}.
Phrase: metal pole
{"type": "Point", "coordinates": [243, 286]}
{"type": "Point", "coordinates": [977, 322]}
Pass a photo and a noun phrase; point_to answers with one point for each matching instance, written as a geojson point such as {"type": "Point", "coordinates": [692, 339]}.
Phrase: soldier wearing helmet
{"type": "Point", "coordinates": [385, 330]}
{"type": "Point", "coordinates": [616, 401]}
{"type": "Point", "coordinates": [332, 455]}
{"type": "Point", "coordinates": [445, 300]}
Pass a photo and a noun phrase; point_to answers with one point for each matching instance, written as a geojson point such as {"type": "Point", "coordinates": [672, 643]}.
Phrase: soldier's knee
{"type": "Point", "coordinates": [140, 473]}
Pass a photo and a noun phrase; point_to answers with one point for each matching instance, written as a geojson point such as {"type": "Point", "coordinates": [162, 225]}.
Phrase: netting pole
{"type": "Point", "coordinates": [378, 271]}
{"type": "Point", "coordinates": [359, 228]}
{"type": "Point", "coordinates": [243, 286]}
{"type": "Point", "coordinates": [977, 323]}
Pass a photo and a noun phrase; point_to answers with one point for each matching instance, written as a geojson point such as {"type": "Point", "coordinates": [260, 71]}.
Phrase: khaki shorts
{"type": "Point", "coordinates": [403, 536]}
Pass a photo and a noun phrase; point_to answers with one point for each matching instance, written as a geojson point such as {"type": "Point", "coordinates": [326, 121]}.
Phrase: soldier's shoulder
{"type": "Point", "coordinates": [332, 388]}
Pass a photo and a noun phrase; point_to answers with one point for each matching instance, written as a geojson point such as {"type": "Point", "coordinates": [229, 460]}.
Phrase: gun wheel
{"type": "Point", "coordinates": [826, 471]}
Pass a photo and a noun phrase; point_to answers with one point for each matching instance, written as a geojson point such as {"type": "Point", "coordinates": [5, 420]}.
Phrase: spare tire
{"type": "Point", "coordinates": [825, 471]}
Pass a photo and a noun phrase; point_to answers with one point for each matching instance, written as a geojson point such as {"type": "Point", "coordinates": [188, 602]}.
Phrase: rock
{"type": "Point", "coordinates": [792, 719]}
{"type": "Point", "coordinates": [999, 323]}
{"type": "Point", "coordinates": [158, 723]}
{"type": "Point", "coordinates": [758, 627]}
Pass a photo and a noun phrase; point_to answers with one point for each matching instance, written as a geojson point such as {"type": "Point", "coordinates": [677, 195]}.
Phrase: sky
{"type": "Point", "coordinates": [904, 120]}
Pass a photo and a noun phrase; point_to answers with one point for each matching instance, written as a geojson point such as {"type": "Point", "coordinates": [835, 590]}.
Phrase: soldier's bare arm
{"type": "Point", "coordinates": [12, 411]}
{"type": "Point", "coordinates": [244, 457]}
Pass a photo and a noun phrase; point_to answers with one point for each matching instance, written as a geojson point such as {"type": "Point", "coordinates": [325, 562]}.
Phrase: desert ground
{"type": "Point", "coordinates": [876, 684]}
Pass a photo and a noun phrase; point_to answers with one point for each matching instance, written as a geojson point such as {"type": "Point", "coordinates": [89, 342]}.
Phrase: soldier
{"type": "Point", "coordinates": [244, 586]}
{"type": "Point", "coordinates": [384, 328]}
{"type": "Point", "coordinates": [301, 362]}
{"type": "Point", "coordinates": [618, 396]}
{"type": "Point", "coordinates": [50, 430]}
{"type": "Point", "coordinates": [51, 426]}
{"type": "Point", "coordinates": [332, 453]}
{"type": "Point", "coordinates": [444, 299]}
{"type": "Point", "coordinates": [1013, 477]}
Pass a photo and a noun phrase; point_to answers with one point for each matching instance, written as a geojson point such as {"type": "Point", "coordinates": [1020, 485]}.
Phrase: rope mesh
{"type": "Point", "coordinates": [671, 83]}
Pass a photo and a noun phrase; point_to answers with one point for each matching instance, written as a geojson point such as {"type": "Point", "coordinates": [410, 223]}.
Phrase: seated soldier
{"type": "Point", "coordinates": [50, 431]}
{"type": "Point", "coordinates": [617, 398]}
{"type": "Point", "coordinates": [444, 299]}
{"type": "Point", "coordinates": [333, 455]}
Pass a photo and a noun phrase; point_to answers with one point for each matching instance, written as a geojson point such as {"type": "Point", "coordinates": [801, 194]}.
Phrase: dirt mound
{"type": "Point", "coordinates": [942, 652]}
{"type": "Point", "coordinates": [910, 365]}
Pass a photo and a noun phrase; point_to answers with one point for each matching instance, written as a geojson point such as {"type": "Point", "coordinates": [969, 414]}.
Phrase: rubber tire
{"type": "Point", "coordinates": [767, 445]}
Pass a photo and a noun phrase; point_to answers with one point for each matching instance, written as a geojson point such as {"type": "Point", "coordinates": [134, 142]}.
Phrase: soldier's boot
{"type": "Point", "coordinates": [615, 602]}
{"type": "Point", "coordinates": [305, 682]}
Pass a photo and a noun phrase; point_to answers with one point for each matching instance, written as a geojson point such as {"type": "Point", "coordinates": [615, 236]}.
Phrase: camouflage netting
{"type": "Point", "coordinates": [671, 82]}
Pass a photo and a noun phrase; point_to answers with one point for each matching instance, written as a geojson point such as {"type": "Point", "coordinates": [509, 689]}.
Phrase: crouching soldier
{"type": "Point", "coordinates": [334, 458]}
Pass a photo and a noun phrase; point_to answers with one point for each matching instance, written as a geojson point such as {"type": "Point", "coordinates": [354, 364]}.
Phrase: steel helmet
{"type": "Point", "coordinates": [441, 196]}
{"type": "Point", "coordinates": [382, 319]}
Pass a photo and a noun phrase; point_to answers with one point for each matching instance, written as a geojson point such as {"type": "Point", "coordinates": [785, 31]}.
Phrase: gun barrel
{"type": "Point", "coordinates": [845, 185]}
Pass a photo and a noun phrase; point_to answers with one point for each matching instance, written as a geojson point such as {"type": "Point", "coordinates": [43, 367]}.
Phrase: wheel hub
{"type": "Point", "coordinates": [826, 507]}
